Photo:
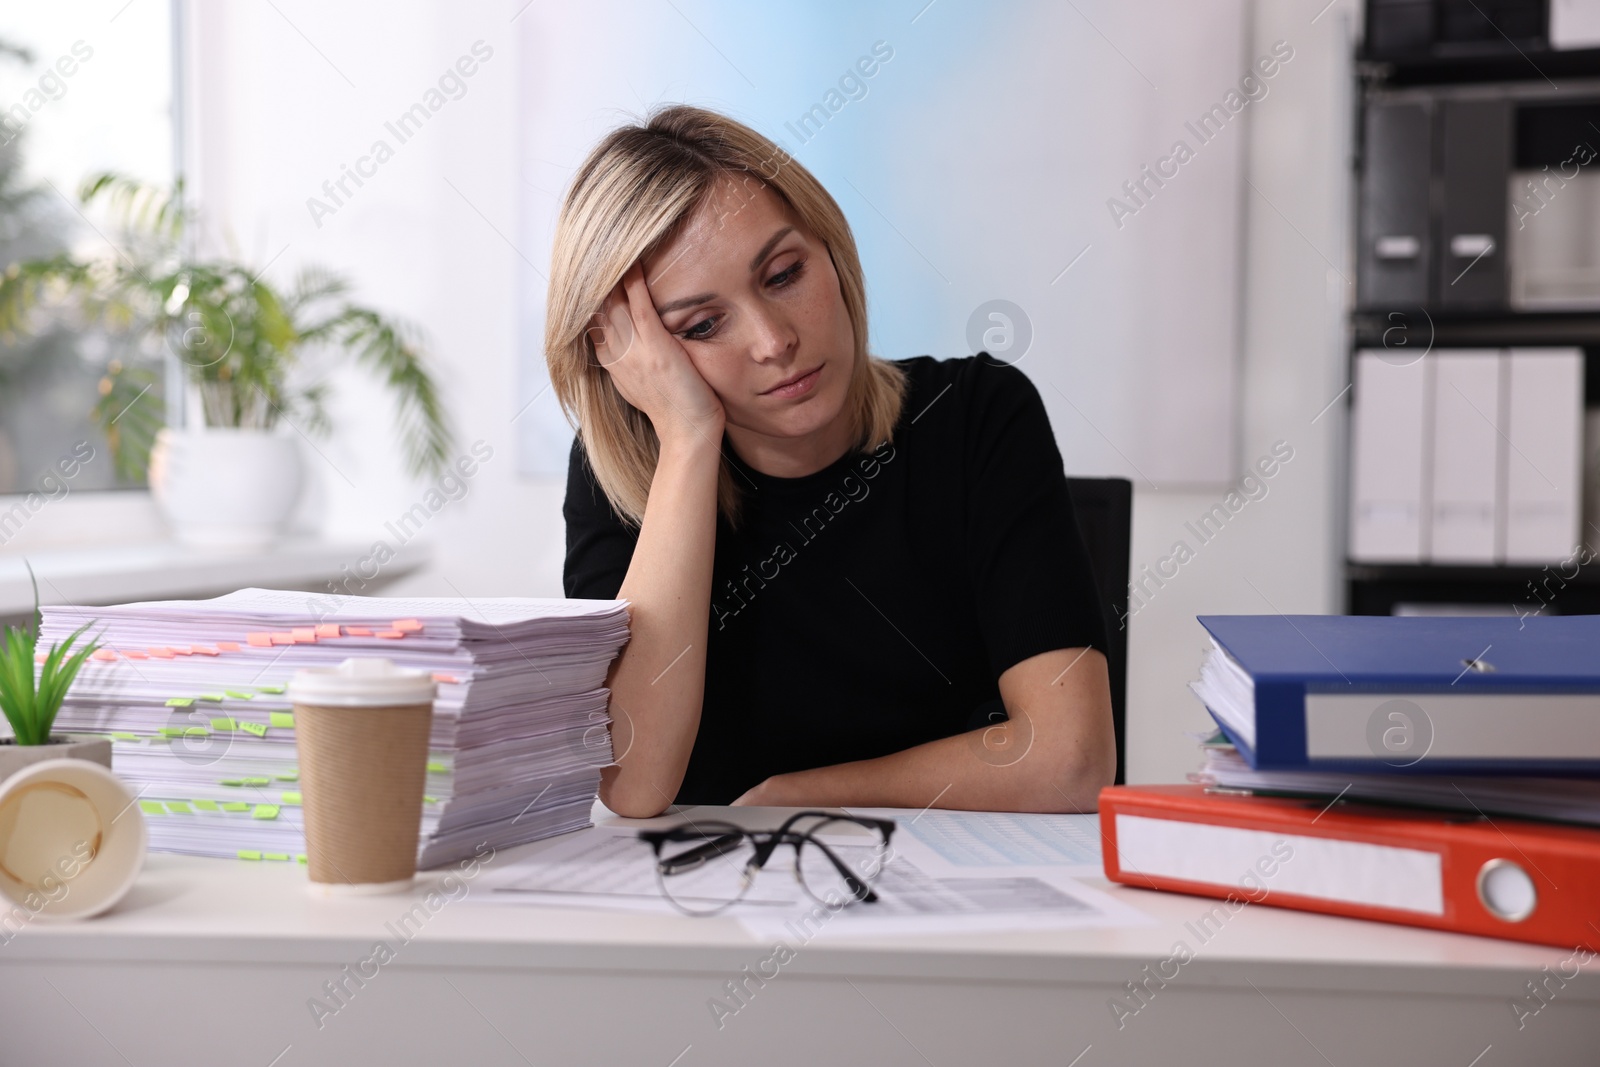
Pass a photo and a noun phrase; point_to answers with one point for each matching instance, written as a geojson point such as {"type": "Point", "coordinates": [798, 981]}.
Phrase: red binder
{"type": "Point", "coordinates": [1507, 878]}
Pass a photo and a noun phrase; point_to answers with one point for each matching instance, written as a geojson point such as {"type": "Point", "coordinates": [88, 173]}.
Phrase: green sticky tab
{"type": "Point", "coordinates": [287, 776]}
{"type": "Point", "coordinates": [430, 800]}
{"type": "Point", "coordinates": [291, 798]}
{"type": "Point", "coordinates": [301, 858]}
{"type": "Point", "coordinates": [239, 694]}
{"type": "Point", "coordinates": [264, 811]}
{"type": "Point", "coordinates": [257, 781]}
{"type": "Point", "coordinates": [256, 728]}
{"type": "Point", "coordinates": [435, 767]}
{"type": "Point", "coordinates": [179, 807]}
{"type": "Point", "coordinates": [282, 857]}
{"type": "Point", "coordinates": [249, 854]}
{"type": "Point", "coordinates": [217, 697]}
{"type": "Point", "coordinates": [152, 807]}
{"type": "Point", "coordinates": [179, 702]}
{"type": "Point", "coordinates": [222, 722]}
{"type": "Point", "coordinates": [282, 719]}
{"type": "Point", "coordinates": [270, 688]}
{"type": "Point", "coordinates": [171, 731]}
{"type": "Point", "coordinates": [235, 805]}
{"type": "Point", "coordinates": [205, 805]}
{"type": "Point", "coordinates": [125, 737]}
{"type": "Point", "coordinates": [231, 781]}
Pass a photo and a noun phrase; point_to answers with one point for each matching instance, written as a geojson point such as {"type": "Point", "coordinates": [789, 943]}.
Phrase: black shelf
{"type": "Point", "coordinates": [1555, 588]}
{"type": "Point", "coordinates": [1531, 64]}
{"type": "Point", "coordinates": [1497, 329]}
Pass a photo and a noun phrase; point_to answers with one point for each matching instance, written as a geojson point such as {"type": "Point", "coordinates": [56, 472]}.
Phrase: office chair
{"type": "Point", "coordinates": [1105, 519]}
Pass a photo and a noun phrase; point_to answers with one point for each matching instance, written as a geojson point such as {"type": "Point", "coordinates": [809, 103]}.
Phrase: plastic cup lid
{"type": "Point", "coordinates": [72, 841]}
{"type": "Point", "coordinates": [362, 682]}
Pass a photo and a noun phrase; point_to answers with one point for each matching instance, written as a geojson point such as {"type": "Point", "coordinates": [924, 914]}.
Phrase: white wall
{"type": "Point", "coordinates": [283, 99]}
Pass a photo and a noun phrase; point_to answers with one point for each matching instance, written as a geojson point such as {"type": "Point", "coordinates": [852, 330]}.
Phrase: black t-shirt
{"type": "Point", "coordinates": [873, 605]}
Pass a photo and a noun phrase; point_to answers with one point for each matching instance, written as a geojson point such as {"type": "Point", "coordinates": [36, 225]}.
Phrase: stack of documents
{"type": "Point", "coordinates": [193, 695]}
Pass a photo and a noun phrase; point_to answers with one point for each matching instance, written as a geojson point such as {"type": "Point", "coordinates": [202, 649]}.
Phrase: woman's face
{"type": "Point", "coordinates": [756, 303]}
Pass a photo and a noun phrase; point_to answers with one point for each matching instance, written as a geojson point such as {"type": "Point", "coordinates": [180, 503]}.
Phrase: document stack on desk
{"type": "Point", "coordinates": [1434, 771]}
{"type": "Point", "coordinates": [193, 695]}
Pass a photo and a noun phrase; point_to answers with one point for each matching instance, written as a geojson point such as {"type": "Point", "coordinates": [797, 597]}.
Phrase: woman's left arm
{"type": "Point", "coordinates": [1054, 753]}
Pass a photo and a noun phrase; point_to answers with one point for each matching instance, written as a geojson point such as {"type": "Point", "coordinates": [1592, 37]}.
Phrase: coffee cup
{"type": "Point", "coordinates": [362, 729]}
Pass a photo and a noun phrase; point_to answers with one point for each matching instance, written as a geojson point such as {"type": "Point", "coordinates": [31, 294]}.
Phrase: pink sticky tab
{"type": "Point", "coordinates": [161, 653]}
{"type": "Point", "coordinates": [358, 631]}
{"type": "Point", "coordinates": [304, 634]}
{"type": "Point", "coordinates": [390, 633]}
{"type": "Point", "coordinates": [327, 629]}
{"type": "Point", "coordinates": [132, 654]}
{"type": "Point", "coordinates": [40, 657]}
{"type": "Point", "coordinates": [260, 639]}
{"type": "Point", "coordinates": [284, 638]}
{"type": "Point", "coordinates": [103, 654]}
{"type": "Point", "coordinates": [449, 679]}
{"type": "Point", "coordinates": [228, 646]}
{"type": "Point", "coordinates": [408, 626]}
{"type": "Point", "coordinates": [202, 650]}
{"type": "Point", "coordinates": [183, 650]}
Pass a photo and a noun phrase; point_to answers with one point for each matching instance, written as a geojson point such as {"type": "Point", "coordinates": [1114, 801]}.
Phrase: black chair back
{"type": "Point", "coordinates": [1105, 518]}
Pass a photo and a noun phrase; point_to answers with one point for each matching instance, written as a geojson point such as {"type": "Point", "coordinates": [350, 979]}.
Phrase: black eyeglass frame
{"type": "Point", "coordinates": [721, 838]}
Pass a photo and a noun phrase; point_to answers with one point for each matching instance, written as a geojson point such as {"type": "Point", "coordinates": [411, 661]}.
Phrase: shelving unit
{"type": "Point", "coordinates": [1469, 75]}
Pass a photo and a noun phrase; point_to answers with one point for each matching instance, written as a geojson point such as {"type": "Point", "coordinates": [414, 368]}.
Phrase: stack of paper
{"type": "Point", "coordinates": [193, 695]}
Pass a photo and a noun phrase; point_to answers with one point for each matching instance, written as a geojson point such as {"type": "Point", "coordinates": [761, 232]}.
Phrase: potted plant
{"type": "Point", "coordinates": [30, 699]}
{"type": "Point", "coordinates": [244, 348]}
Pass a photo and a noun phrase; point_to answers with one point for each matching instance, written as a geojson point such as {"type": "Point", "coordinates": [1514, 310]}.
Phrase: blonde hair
{"type": "Point", "coordinates": [635, 190]}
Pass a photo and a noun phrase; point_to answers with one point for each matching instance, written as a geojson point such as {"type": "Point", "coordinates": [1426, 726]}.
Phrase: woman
{"type": "Point", "coordinates": [852, 581]}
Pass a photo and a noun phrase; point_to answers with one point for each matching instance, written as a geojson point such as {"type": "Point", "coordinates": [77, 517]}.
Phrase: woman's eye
{"type": "Point", "coordinates": [692, 335]}
{"type": "Point", "coordinates": [702, 329]}
{"type": "Point", "coordinates": [787, 277]}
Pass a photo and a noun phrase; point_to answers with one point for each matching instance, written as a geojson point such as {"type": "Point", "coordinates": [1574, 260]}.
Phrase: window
{"type": "Point", "coordinates": [84, 88]}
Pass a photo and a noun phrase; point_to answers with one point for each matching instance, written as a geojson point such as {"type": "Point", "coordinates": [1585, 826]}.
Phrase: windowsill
{"type": "Point", "coordinates": [163, 570]}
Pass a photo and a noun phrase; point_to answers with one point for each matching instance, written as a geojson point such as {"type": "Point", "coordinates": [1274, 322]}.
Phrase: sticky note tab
{"type": "Point", "coordinates": [205, 805]}
{"type": "Point", "coordinates": [256, 728]}
{"type": "Point", "coordinates": [228, 646]}
{"type": "Point", "coordinates": [282, 638]}
{"type": "Point", "coordinates": [300, 858]}
{"type": "Point", "coordinates": [435, 767]}
{"type": "Point", "coordinates": [183, 650]}
{"type": "Point", "coordinates": [257, 781]}
{"type": "Point", "coordinates": [161, 653]}
{"type": "Point", "coordinates": [391, 634]}
{"type": "Point", "coordinates": [215, 698]}
{"type": "Point", "coordinates": [271, 688]}
{"type": "Point", "coordinates": [222, 722]}
{"type": "Point", "coordinates": [171, 731]}
{"type": "Point", "coordinates": [125, 737]}
{"type": "Point", "coordinates": [281, 857]}
{"type": "Point", "coordinates": [440, 676]}
{"type": "Point", "coordinates": [152, 807]}
{"type": "Point", "coordinates": [239, 694]}
{"type": "Point", "coordinates": [430, 800]}
{"type": "Point", "coordinates": [288, 776]}
{"type": "Point", "coordinates": [358, 631]}
{"type": "Point", "coordinates": [231, 781]}
{"type": "Point", "coordinates": [203, 650]}
{"type": "Point", "coordinates": [134, 654]}
{"type": "Point", "coordinates": [407, 626]}
{"type": "Point", "coordinates": [102, 654]}
{"type": "Point", "coordinates": [179, 702]}
{"type": "Point", "coordinates": [260, 639]}
{"type": "Point", "coordinates": [235, 805]}
{"type": "Point", "coordinates": [284, 720]}
{"type": "Point", "coordinates": [291, 798]}
{"type": "Point", "coordinates": [304, 634]}
{"type": "Point", "coordinates": [249, 854]}
{"type": "Point", "coordinates": [327, 629]}
{"type": "Point", "coordinates": [264, 811]}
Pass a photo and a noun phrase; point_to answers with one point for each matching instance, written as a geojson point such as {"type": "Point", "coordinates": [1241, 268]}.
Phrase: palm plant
{"type": "Point", "coordinates": [242, 342]}
{"type": "Point", "coordinates": [30, 702]}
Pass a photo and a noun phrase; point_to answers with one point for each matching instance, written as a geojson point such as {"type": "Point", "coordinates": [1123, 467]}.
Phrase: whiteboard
{"type": "Point", "coordinates": [980, 170]}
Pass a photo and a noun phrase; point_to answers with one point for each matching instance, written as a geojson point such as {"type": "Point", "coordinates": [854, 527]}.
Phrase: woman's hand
{"type": "Point", "coordinates": [651, 368]}
{"type": "Point", "coordinates": [769, 794]}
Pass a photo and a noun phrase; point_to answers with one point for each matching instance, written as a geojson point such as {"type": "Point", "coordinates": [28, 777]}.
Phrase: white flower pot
{"type": "Point", "coordinates": [225, 488]}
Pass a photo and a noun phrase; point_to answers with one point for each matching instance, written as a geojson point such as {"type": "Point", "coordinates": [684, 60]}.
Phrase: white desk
{"type": "Point", "coordinates": [213, 962]}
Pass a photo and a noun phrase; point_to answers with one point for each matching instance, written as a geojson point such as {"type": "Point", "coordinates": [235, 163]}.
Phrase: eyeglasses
{"type": "Point", "coordinates": [704, 867]}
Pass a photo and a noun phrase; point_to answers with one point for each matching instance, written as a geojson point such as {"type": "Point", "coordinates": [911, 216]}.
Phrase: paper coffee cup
{"type": "Point", "coordinates": [72, 842]}
{"type": "Point", "coordinates": [361, 729]}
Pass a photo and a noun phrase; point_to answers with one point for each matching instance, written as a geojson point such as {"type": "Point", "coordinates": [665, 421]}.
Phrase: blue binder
{"type": "Point", "coordinates": [1425, 695]}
